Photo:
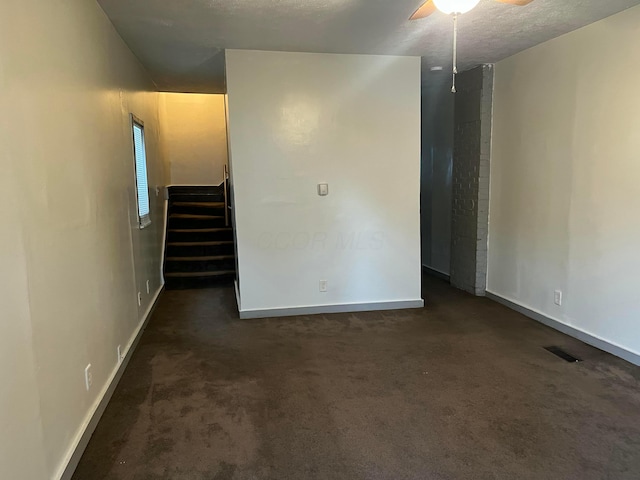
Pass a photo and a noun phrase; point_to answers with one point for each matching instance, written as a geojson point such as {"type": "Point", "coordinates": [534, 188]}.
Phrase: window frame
{"type": "Point", "coordinates": [143, 220]}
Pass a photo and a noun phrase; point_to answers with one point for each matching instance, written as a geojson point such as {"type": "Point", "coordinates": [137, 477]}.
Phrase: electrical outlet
{"type": "Point", "coordinates": [139, 299]}
{"type": "Point", "coordinates": [557, 297]}
{"type": "Point", "coordinates": [88, 377]}
{"type": "Point", "coordinates": [148, 290]}
{"type": "Point", "coordinates": [120, 357]}
{"type": "Point", "coordinates": [323, 286]}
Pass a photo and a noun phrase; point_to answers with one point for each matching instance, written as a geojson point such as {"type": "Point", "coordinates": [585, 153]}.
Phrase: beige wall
{"type": "Point", "coordinates": [194, 136]}
{"type": "Point", "coordinates": [565, 179]}
{"type": "Point", "coordinates": [72, 256]}
{"type": "Point", "coordinates": [352, 121]}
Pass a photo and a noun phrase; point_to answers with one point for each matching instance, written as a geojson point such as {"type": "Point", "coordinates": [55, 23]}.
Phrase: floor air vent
{"type": "Point", "coordinates": [562, 354]}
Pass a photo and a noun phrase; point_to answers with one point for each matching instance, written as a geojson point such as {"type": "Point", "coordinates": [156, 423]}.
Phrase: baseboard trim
{"type": "Point", "coordinates": [436, 273]}
{"type": "Point", "coordinates": [581, 335]}
{"type": "Point", "coordinates": [237, 288]}
{"type": "Point", "coordinates": [93, 417]}
{"type": "Point", "coordinates": [164, 239]}
{"type": "Point", "coordinates": [341, 308]}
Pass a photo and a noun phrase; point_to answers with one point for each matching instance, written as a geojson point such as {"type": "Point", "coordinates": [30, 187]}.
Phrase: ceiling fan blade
{"type": "Point", "coordinates": [425, 10]}
{"type": "Point", "coordinates": [520, 3]}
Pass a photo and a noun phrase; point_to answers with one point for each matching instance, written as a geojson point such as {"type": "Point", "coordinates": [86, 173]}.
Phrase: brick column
{"type": "Point", "coordinates": [471, 159]}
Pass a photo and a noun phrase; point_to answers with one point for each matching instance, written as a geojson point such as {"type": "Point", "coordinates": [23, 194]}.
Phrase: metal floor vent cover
{"type": "Point", "coordinates": [562, 354]}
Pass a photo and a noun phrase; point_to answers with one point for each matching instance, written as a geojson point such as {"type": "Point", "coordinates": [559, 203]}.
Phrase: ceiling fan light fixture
{"type": "Point", "coordinates": [455, 6]}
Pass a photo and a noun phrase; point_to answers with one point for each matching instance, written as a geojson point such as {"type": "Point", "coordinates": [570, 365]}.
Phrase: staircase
{"type": "Point", "coordinates": [199, 251]}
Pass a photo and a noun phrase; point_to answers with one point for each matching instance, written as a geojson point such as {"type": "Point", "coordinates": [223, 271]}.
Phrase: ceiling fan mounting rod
{"type": "Point", "coordinates": [455, 51]}
{"type": "Point", "coordinates": [455, 8]}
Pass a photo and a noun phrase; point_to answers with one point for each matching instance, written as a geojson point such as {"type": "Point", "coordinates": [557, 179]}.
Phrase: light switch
{"type": "Point", "coordinates": [323, 189]}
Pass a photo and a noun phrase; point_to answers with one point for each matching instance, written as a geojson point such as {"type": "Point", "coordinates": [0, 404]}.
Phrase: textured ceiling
{"type": "Point", "coordinates": [182, 42]}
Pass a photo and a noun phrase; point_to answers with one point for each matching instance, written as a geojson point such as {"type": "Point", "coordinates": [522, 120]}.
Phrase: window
{"type": "Point", "coordinates": [142, 185]}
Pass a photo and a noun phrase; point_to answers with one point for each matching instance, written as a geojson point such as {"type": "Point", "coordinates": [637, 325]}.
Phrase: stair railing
{"type": "Point", "coordinates": [226, 196]}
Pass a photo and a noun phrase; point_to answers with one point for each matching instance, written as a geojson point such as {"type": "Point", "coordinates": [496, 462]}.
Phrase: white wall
{"type": "Point", "coordinates": [436, 171]}
{"type": "Point", "coordinates": [353, 121]}
{"type": "Point", "coordinates": [71, 254]}
{"type": "Point", "coordinates": [565, 179]}
{"type": "Point", "coordinates": [194, 135]}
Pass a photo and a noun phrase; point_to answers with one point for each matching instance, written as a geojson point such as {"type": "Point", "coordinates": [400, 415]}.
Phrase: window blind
{"type": "Point", "coordinates": [142, 186]}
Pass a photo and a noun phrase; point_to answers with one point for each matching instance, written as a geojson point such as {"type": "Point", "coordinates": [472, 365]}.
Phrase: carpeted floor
{"type": "Point", "coordinates": [462, 389]}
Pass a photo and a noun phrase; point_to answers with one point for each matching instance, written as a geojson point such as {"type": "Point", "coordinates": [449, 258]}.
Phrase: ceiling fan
{"type": "Point", "coordinates": [455, 7]}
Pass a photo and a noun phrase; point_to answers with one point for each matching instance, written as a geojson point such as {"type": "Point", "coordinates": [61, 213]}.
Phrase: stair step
{"type": "Point", "coordinates": [200, 249]}
{"type": "Point", "coordinates": [196, 194]}
{"type": "Point", "coordinates": [198, 204]}
{"type": "Point", "coordinates": [200, 230]}
{"type": "Point", "coordinates": [187, 261]}
{"type": "Point", "coordinates": [200, 244]}
{"type": "Point", "coordinates": [196, 198]}
{"type": "Point", "coordinates": [200, 234]}
{"type": "Point", "coordinates": [197, 208]}
{"type": "Point", "coordinates": [200, 259]}
{"type": "Point", "coordinates": [199, 274]}
{"type": "Point", "coordinates": [195, 216]}
{"type": "Point", "coordinates": [188, 283]}
{"type": "Point", "coordinates": [195, 221]}
{"type": "Point", "coordinates": [196, 190]}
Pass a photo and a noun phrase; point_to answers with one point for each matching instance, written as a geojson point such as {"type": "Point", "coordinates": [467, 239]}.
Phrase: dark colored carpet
{"type": "Point", "coordinates": [462, 389]}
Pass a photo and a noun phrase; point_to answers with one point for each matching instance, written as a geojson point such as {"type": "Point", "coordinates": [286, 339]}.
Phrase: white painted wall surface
{"type": "Point", "coordinates": [565, 179]}
{"type": "Point", "coordinates": [353, 121]}
{"type": "Point", "coordinates": [194, 135]}
{"type": "Point", "coordinates": [72, 256]}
